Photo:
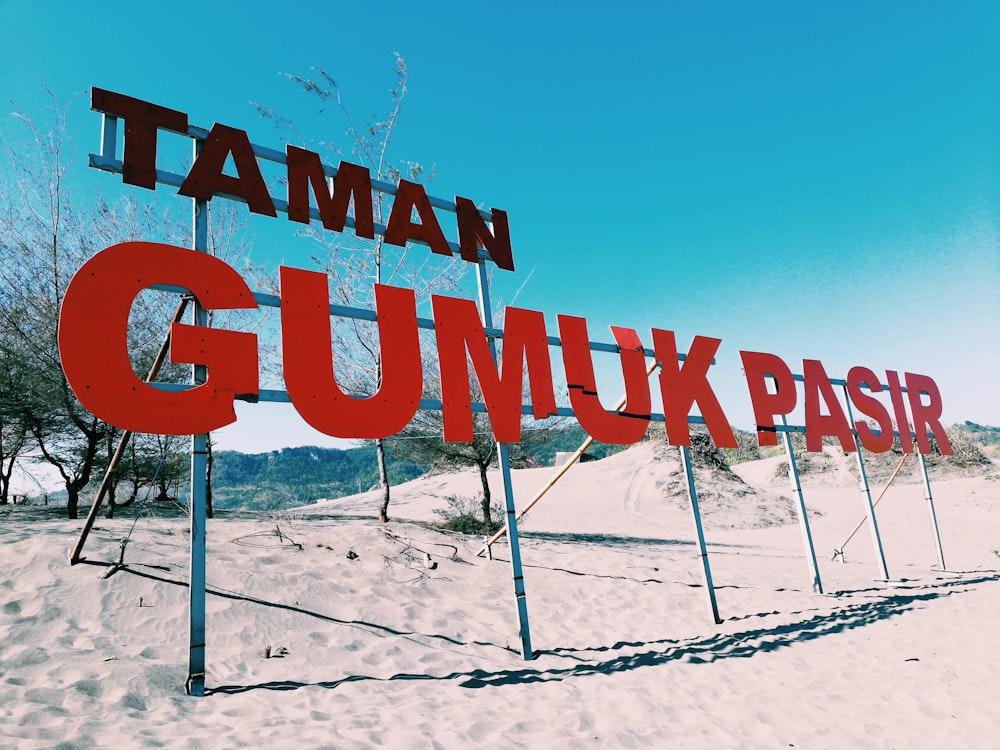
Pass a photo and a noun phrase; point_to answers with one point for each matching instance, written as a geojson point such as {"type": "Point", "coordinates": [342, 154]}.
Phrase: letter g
{"type": "Point", "coordinates": [93, 340]}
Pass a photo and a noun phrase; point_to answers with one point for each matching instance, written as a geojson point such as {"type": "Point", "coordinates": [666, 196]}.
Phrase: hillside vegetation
{"type": "Point", "coordinates": [297, 476]}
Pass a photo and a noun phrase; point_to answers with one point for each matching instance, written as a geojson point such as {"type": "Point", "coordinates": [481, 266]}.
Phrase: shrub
{"type": "Point", "coordinates": [464, 515]}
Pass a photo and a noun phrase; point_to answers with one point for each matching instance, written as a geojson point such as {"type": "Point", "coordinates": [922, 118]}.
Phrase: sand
{"type": "Point", "coordinates": [376, 649]}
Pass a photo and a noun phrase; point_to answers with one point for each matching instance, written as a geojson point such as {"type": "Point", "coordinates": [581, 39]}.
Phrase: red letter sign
{"type": "Point", "coordinates": [307, 359]}
{"type": "Point", "coordinates": [926, 415]}
{"type": "Point", "coordinates": [525, 345]}
{"type": "Point", "coordinates": [206, 177]}
{"type": "Point", "coordinates": [819, 425]}
{"type": "Point", "coordinates": [683, 385]}
{"type": "Point", "coordinates": [758, 366]}
{"type": "Point", "coordinates": [615, 428]}
{"type": "Point", "coordinates": [93, 340]}
{"type": "Point", "coordinates": [871, 407]}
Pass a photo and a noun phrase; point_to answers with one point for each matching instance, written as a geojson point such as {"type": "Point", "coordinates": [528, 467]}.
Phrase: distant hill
{"type": "Point", "coordinates": [293, 476]}
{"type": "Point", "coordinates": [296, 476]}
{"type": "Point", "coordinates": [982, 434]}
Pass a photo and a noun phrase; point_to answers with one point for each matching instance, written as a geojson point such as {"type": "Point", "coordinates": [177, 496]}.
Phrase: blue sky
{"type": "Point", "coordinates": [812, 180]}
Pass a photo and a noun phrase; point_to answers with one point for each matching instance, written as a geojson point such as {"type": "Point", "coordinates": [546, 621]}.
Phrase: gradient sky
{"type": "Point", "coordinates": [812, 180]}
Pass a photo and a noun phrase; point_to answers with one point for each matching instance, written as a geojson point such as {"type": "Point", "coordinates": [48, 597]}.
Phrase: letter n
{"type": "Point", "coordinates": [473, 234]}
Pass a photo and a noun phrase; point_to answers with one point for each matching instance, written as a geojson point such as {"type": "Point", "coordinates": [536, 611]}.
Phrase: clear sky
{"type": "Point", "coordinates": [814, 180]}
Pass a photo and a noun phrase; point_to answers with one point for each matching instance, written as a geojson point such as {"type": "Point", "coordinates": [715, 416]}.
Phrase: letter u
{"type": "Point", "coordinates": [618, 428]}
{"type": "Point", "coordinates": [307, 360]}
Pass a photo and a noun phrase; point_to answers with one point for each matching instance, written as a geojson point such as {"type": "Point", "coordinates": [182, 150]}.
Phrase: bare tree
{"type": "Point", "coordinates": [152, 464]}
{"type": "Point", "coordinates": [47, 237]}
{"type": "Point", "coordinates": [13, 426]}
{"type": "Point", "coordinates": [355, 264]}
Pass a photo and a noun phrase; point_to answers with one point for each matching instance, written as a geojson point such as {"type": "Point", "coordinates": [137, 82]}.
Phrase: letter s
{"type": "Point", "coordinates": [93, 340]}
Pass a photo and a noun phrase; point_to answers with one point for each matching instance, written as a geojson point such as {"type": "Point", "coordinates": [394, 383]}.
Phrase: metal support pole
{"type": "Point", "coordinates": [503, 458]}
{"type": "Point", "coordinates": [199, 475]}
{"type": "Point", "coordinates": [702, 551]}
{"type": "Point", "coordinates": [807, 542]}
{"type": "Point", "coordinates": [930, 506]}
{"type": "Point", "coordinates": [866, 494]}
{"type": "Point", "coordinates": [517, 573]}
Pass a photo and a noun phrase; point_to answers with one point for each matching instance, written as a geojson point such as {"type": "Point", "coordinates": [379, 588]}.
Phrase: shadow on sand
{"type": "Point", "coordinates": [360, 624]}
{"type": "Point", "coordinates": [742, 644]}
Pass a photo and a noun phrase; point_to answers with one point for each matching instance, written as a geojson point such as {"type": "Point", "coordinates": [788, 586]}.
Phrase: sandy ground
{"type": "Point", "coordinates": [375, 649]}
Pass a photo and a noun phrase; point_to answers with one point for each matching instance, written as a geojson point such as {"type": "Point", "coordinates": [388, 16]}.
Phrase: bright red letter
{"type": "Point", "coordinates": [524, 344]}
{"type": "Point", "coordinates": [619, 428]}
{"type": "Point", "coordinates": [871, 407]}
{"type": "Point", "coordinates": [926, 415]}
{"type": "Point", "coordinates": [206, 177]}
{"type": "Point", "coordinates": [305, 170]}
{"type": "Point", "coordinates": [683, 385]}
{"type": "Point", "coordinates": [757, 366]}
{"type": "Point", "coordinates": [93, 340]}
{"type": "Point", "coordinates": [307, 360]}
{"type": "Point", "coordinates": [817, 386]}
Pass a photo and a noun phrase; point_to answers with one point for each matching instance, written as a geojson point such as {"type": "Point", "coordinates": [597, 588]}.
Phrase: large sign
{"type": "Point", "coordinates": [94, 320]}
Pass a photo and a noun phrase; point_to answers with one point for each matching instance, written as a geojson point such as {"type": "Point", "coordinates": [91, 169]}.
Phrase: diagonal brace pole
{"type": "Point", "coordinates": [559, 474]}
{"type": "Point", "coordinates": [123, 441]}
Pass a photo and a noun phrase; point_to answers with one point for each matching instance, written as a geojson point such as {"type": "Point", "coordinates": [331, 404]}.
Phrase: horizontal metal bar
{"type": "Point", "coordinates": [427, 404]}
{"type": "Point", "coordinates": [173, 179]}
{"type": "Point", "coordinates": [841, 382]}
{"type": "Point", "coordinates": [359, 313]}
{"type": "Point", "coordinates": [279, 157]}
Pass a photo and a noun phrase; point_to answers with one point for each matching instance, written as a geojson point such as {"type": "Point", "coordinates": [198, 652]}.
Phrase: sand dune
{"type": "Point", "coordinates": [383, 651]}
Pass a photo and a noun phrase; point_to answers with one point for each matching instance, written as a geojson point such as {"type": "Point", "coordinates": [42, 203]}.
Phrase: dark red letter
{"type": "Point", "coordinates": [206, 177]}
{"type": "Point", "coordinates": [399, 228]}
{"type": "Point", "coordinates": [473, 233]}
{"type": "Point", "coordinates": [305, 169]}
{"type": "Point", "coordinates": [817, 385]}
{"type": "Point", "coordinates": [899, 409]}
{"type": "Point", "coordinates": [141, 122]}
